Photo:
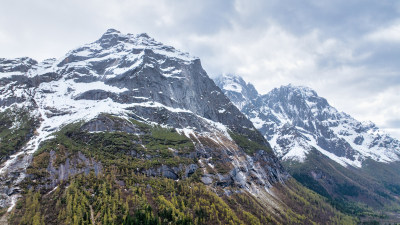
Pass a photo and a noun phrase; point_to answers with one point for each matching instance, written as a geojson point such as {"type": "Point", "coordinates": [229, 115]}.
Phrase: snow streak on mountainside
{"type": "Point", "coordinates": [132, 76]}
{"type": "Point", "coordinates": [295, 120]}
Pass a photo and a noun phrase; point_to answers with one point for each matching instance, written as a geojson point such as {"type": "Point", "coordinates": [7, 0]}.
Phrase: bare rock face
{"type": "Point", "coordinates": [105, 123]}
{"type": "Point", "coordinates": [71, 166]}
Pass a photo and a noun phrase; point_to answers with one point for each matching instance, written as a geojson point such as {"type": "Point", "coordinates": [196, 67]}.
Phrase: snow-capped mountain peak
{"type": "Point", "coordinates": [115, 72]}
{"type": "Point", "coordinates": [129, 76]}
{"type": "Point", "coordinates": [299, 102]}
{"type": "Point", "coordinates": [118, 53]}
{"type": "Point", "coordinates": [295, 120]}
{"type": "Point", "coordinates": [130, 42]}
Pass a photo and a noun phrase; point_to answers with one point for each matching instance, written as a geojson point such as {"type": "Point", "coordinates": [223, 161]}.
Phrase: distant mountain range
{"type": "Point", "coordinates": [327, 150]}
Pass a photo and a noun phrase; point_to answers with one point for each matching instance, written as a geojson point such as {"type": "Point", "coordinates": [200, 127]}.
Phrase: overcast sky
{"type": "Point", "coordinates": [346, 50]}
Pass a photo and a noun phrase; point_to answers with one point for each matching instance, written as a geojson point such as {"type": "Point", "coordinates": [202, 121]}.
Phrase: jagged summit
{"type": "Point", "coordinates": [111, 32]}
{"type": "Point", "coordinates": [305, 91]}
{"type": "Point", "coordinates": [112, 37]}
{"type": "Point", "coordinates": [238, 91]}
{"type": "Point", "coordinates": [143, 35]}
{"type": "Point", "coordinates": [299, 102]}
{"type": "Point", "coordinates": [236, 83]}
{"type": "Point", "coordinates": [116, 41]}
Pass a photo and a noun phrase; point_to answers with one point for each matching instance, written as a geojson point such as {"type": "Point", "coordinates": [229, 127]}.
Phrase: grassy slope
{"type": "Point", "coordinates": [121, 195]}
{"type": "Point", "coordinates": [249, 146]}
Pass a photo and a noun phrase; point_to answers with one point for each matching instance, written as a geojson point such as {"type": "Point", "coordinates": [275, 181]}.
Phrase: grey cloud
{"type": "Point", "coordinates": [395, 123]}
{"type": "Point", "coordinates": [338, 18]}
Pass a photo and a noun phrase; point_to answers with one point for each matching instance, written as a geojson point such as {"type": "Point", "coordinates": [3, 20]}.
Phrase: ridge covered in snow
{"type": "Point", "coordinates": [295, 120]}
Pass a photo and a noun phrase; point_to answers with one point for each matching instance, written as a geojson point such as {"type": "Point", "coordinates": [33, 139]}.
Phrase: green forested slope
{"type": "Point", "coordinates": [123, 192]}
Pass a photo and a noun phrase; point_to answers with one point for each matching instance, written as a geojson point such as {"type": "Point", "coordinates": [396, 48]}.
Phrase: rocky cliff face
{"type": "Point", "coordinates": [133, 77]}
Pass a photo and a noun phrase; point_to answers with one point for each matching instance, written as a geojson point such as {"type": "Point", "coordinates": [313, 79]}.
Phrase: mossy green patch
{"type": "Point", "coordinates": [154, 147]}
{"type": "Point", "coordinates": [16, 128]}
{"type": "Point", "coordinates": [248, 145]}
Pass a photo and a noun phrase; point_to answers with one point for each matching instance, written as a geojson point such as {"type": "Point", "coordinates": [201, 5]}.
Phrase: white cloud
{"type": "Point", "coordinates": [386, 34]}
{"type": "Point", "coordinates": [4, 38]}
